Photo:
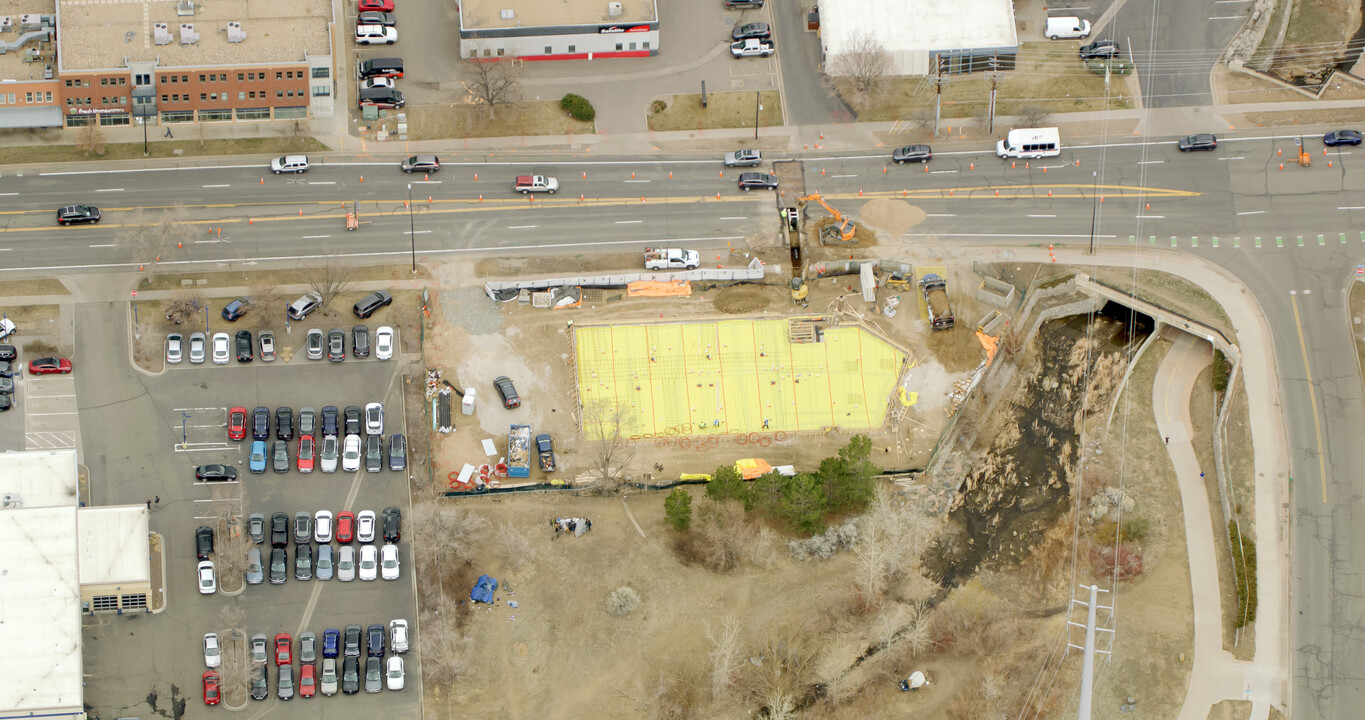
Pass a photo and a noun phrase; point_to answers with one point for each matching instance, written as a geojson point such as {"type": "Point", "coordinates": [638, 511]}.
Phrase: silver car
{"type": "Point", "coordinates": [286, 691]}
{"type": "Point", "coordinates": [267, 341]}
{"type": "Point", "coordinates": [323, 568]}
{"type": "Point", "coordinates": [314, 343]}
{"type": "Point", "coordinates": [221, 351]}
{"type": "Point", "coordinates": [259, 648]}
{"type": "Point", "coordinates": [198, 345]}
{"type": "Point", "coordinates": [374, 675]}
{"type": "Point", "coordinates": [346, 563]}
{"type": "Point", "coordinates": [328, 457]}
{"type": "Point", "coordinates": [743, 158]}
{"type": "Point", "coordinates": [255, 572]}
{"type": "Point", "coordinates": [175, 348]}
{"type": "Point", "coordinates": [328, 681]}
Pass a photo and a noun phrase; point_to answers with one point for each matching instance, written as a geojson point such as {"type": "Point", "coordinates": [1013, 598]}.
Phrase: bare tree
{"type": "Point", "coordinates": [329, 281]}
{"type": "Point", "coordinates": [860, 71]}
{"type": "Point", "coordinates": [295, 134]}
{"type": "Point", "coordinates": [91, 138]}
{"type": "Point", "coordinates": [1033, 115]}
{"type": "Point", "coordinates": [491, 81]}
{"type": "Point", "coordinates": [235, 671]}
{"type": "Point", "coordinates": [446, 653]}
{"type": "Point", "coordinates": [266, 296]}
{"type": "Point", "coordinates": [230, 556]}
{"type": "Point", "coordinates": [183, 305]}
{"type": "Point", "coordinates": [515, 548]}
{"type": "Point", "coordinates": [724, 655]}
{"type": "Point", "coordinates": [604, 427]}
{"type": "Point", "coordinates": [872, 557]}
{"type": "Point", "coordinates": [786, 668]}
{"type": "Point", "coordinates": [149, 235]}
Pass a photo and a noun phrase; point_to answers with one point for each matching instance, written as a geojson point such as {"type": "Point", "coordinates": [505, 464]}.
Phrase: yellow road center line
{"type": "Point", "coordinates": [1312, 399]}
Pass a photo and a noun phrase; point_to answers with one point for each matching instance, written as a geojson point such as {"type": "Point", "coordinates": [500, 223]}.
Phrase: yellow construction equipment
{"type": "Point", "coordinates": [846, 226]}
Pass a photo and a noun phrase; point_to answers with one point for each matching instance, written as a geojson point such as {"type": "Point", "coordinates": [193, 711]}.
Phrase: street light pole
{"type": "Point", "coordinates": [758, 97]}
{"type": "Point", "coordinates": [144, 135]}
{"type": "Point", "coordinates": [412, 231]}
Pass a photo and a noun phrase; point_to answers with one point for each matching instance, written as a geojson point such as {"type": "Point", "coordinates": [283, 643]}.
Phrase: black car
{"type": "Point", "coordinates": [421, 163]}
{"type": "Point", "coordinates": [764, 181]}
{"type": "Point", "coordinates": [203, 542]}
{"type": "Point", "coordinates": [352, 641]}
{"type": "Point", "coordinates": [260, 684]}
{"type": "Point", "coordinates": [1100, 49]}
{"type": "Point", "coordinates": [912, 153]}
{"type": "Point", "coordinates": [279, 566]}
{"type": "Point", "coordinates": [1198, 141]}
{"type": "Point", "coordinates": [244, 346]}
{"type": "Point", "coordinates": [235, 309]}
{"type": "Point", "coordinates": [374, 453]}
{"type": "Point", "coordinates": [6, 402]}
{"type": "Point", "coordinates": [329, 420]}
{"type": "Point", "coordinates": [77, 214]}
{"type": "Point", "coordinates": [393, 524]}
{"type": "Point", "coordinates": [303, 562]}
{"type": "Point", "coordinates": [372, 302]}
{"type": "Point", "coordinates": [279, 529]}
{"type": "Point", "coordinates": [350, 675]}
{"type": "Point", "coordinates": [336, 345]}
{"type": "Point", "coordinates": [6, 369]}
{"type": "Point", "coordinates": [751, 30]}
{"type": "Point", "coordinates": [215, 473]}
{"type": "Point", "coordinates": [360, 341]}
{"type": "Point", "coordinates": [374, 642]}
{"type": "Point", "coordinates": [260, 423]}
{"type": "Point", "coordinates": [308, 421]}
{"type": "Point", "coordinates": [8, 353]}
{"type": "Point", "coordinates": [374, 17]}
{"type": "Point", "coordinates": [303, 528]}
{"type": "Point", "coordinates": [255, 527]}
{"type": "Point", "coordinates": [507, 392]}
{"type": "Point", "coordinates": [284, 423]}
{"type": "Point", "coordinates": [398, 452]}
{"type": "Point", "coordinates": [743, 4]}
{"type": "Point", "coordinates": [1341, 137]}
{"type": "Point", "coordinates": [279, 456]}
{"type": "Point", "coordinates": [353, 414]}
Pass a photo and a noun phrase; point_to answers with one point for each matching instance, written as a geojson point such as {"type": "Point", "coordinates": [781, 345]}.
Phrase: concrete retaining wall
{"type": "Point", "coordinates": [754, 271]}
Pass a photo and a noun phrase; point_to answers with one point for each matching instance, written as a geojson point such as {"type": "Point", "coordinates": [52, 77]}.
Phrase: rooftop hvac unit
{"type": "Point", "coordinates": [187, 34]}
{"type": "Point", "coordinates": [185, 7]}
{"type": "Point", "coordinates": [6, 24]}
{"type": "Point", "coordinates": [614, 9]}
{"type": "Point", "coordinates": [235, 32]}
{"type": "Point", "coordinates": [507, 14]}
{"type": "Point", "coordinates": [161, 34]}
{"type": "Point", "coordinates": [31, 22]}
{"type": "Point", "coordinates": [11, 500]}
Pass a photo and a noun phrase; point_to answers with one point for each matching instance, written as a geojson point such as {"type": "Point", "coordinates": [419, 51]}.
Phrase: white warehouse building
{"type": "Point", "coordinates": [558, 29]}
{"type": "Point", "coordinates": [923, 37]}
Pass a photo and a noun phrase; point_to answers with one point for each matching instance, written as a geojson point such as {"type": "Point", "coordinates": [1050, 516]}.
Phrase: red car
{"type": "Point", "coordinates": [237, 423]}
{"type": "Point", "coordinates": [307, 681]}
{"type": "Point", "coordinates": [306, 450]}
{"type": "Point", "coordinates": [380, 5]}
{"type": "Point", "coordinates": [211, 694]}
{"type": "Point", "coordinates": [345, 526]}
{"type": "Point", "coordinates": [282, 655]}
{"type": "Point", "coordinates": [49, 366]}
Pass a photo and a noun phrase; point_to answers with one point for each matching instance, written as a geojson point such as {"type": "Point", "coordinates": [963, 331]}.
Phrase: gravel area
{"type": "Point", "coordinates": [470, 308]}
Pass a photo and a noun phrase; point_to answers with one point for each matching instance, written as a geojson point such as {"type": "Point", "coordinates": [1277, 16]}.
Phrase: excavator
{"type": "Point", "coordinates": [846, 227]}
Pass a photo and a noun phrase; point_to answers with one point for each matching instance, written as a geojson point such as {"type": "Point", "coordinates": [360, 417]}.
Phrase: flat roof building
{"type": "Point", "coordinates": [923, 37]}
{"type": "Point", "coordinates": [559, 30]}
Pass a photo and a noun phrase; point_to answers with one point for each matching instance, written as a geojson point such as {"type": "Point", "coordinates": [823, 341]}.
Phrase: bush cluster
{"type": "Point", "coordinates": [578, 107]}
{"type": "Point", "coordinates": [1244, 566]}
{"type": "Point", "coordinates": [1220, 371]}
{"type": "Point", "coordinates": [824, 546]}
{"type": "Point", "coordinates": [623, 601]}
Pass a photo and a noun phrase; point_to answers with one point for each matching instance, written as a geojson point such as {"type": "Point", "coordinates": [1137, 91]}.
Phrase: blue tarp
{"type": "Point", "coordinates": [483, 589]}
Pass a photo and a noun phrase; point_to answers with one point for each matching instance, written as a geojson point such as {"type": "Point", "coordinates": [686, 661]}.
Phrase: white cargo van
{"type": "Point", "coordinates": [1067, 27]}
{"type": "Point", "coordinates": [1029, 143]}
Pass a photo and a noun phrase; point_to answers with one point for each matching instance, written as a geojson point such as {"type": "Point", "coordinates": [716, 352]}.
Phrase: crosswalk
{"type": "Point", "coordinates": [1253, 242]}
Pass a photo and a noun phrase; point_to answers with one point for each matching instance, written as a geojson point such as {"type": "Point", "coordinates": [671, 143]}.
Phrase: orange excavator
{"type": "Point", "coordinates": [846, 227]}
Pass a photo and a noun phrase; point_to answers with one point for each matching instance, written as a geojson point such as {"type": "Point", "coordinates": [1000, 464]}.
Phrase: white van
{"type": "Point", "coordinates": [1067, 27]}
{"type": "Point", "coordinates": [1029, 143]}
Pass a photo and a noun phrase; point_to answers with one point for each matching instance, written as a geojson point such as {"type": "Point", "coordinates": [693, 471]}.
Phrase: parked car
{"type": "Point", "coordinates": [236, 309]}
{"type": "Point", "coordinates": [336, 345]}
{"type": "Point", "coordinates": [283, 649]}
{"type": "Point", "coordinates": [369, 562]}
{"type": "Point", "coordinates": [286, 684]}
{"type": "Point", "coordinates": [506, 391]}
{"type": "Point", "coordinates": [1198, 141]}
{"type": "Point", "coordinates": [372, 302]}
{"type": "Point", "coordinates": [350, 676]}
{"type": "Point", "coordinates": [203, 542]}
{"type": "Point", "coordinates": [323, 568]}
{"type": "Point", "coordinates": [360, 341]}
{"type": "Point", "coordinates": [331, 643]}
{"type": "Point", "coordinates": [375, 638]}
{"type": "Point", "coordinates": [743, 158]}
{"type": "Point", "coordinates": [380, 5]}
{"type": "Point", "coordinates": [255, 571]}
{"type": "Point", "coordinates": [421, 163]}
{"type": "Point", "coordinates": [221, 352]}
{"type": "Point", "coordinates": [256, 527]}
{"type": "Point", "coordinates": [365, 526]}
{"type": "Point", "coordinates": [753, 47]}
{"type": "Point", "coordinates": [289, 164]}
{"type": "Point", "coordinates": [763, 181]}
{"type": "Point", "coordinates": [279, 460]}
{"type": "Point", "coordinates": [284, 423]}
{"type": "Point", "coordinates": [327, 457]}
{"type": "Point", "coordinates": [912, 153]}
{"type": "Point", "coordinates": [322, 526]}
{"type": "Point", "coordinates": [279, 566]}
{"type": "Point", "coordinates": [260, 649]}
{"type": "Point", "coordinates": [303, 528]}
{"type": "Point", "coordinates": [393, 524]}
{"type": "Point", "coordinates": [1341, 137]}
{"type": "Point", "coordinates": [237, 423]}
{"type": "Point", "coordinates": [352, 646]}
{"type": "Point", "coordinates": [375, 17]}
{"type": "Point", "coordinates": [213, 652]}
{"type": "Point", "coordinates": [279, 530]}
{"type": "Point", "coordinates": [388, 562]}
{"type": "Point", "coordinates": [350, 454]}
{"type": "Point", "coordinates": [197, 342]}
{"type": "Point", "coordinates": [303, 562]}
{"type": "Point", "coordinates": [208, 581]}
{"type": "Point", "coordinates": [375, 35]}
{"type": "Point", "coordinates": [327, 681]}
{"type": "Point", "coordinates": [299, 309]}
{"type": "Point", "coordinates": [398, 452]}
{"type": "Point", "coordinates": [304, 462]}
{"type": "Point", "coordinates": [314, 344]}
{"type": "Point", "coordinates": [345, 526]}
{"type": "Point", "coordinates": [1100, 49]}
{"type": "Point", "coordinates": [266, 339]}
{"type": "Point", "coordinates": [394, 676]}
{"type": "Point", "coordinates": [256, 460]}
{"type": "Point", "coordinates": [260, 684]}
{"type": "Point", "coordinates": [398, 635]}
{"type": "Point", "coordinates": [345, 563]}
{"type": "Point", "coordinates": [383, 342]}
{"type": "Point", "coordinates": [211, 692]}
{"type": "Point", "coordinates": [308, 421]}
{"type": "Point", "coordinates": [260, 423]}
{"type": "Point", "coordinates": [78, 215]}
{"type": "Point", "coordinates": [352, 416]}
{"type": "Point", "coordinates": [215, 473]}
{"type": "Point", "coordinates": [245, 352]}
{"type": "Point", "coordinates": [374, 453]}
{"type": "Point", "coordinates": [751, 30]}
{"type": "Point", "coordinates": [374, 674]}
{"type": "Point", "coordinates": [49, 366]}
{"type": "Point", "coordinates": [307, 680]}
{"type": "Point", "coordinates": [8, 353]}
{"type": "Point", "coordinates": [330, 422]}
{"type": "Point", "coordinates": [175, 348]}
{"type": "Point", "coordinates": [545, 450]}
{"type": "Point", "coordinates": [374, 418]}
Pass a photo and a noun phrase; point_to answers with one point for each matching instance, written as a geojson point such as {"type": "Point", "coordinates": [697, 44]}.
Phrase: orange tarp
{"type": "Point", "coordinates": [989, 343]}
{"type": "Point", "coordinates": [659, 288]}
{"type": "Point", "coordinates": [753, 468]}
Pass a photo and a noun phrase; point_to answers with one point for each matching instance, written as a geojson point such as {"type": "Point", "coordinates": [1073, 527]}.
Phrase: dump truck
{"type": "Point", "coordinates": [519, 451]}
{"type": "Point", "coordinates": [935, 290]}
{"type": "Point", "coordinates": [545, 447]}
{"type": "Point", "coordinates": [535, 183]}
{"type": "Point", "coordinates": [671, 259]}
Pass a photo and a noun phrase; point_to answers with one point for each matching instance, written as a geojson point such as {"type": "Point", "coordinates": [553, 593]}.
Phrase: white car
{"type": "Point", "coordinates": [377, 82]}
{"type": "Point", "coordinates": [369, 562]}
{"type": "Point", "coordinates": [322, 527]}
{"type": "Point", "coordinates": [208, 584]}
{"type": "Point", "coordinates": [364, 526]}
{"type": "Point", "coordinates": [346, 563]}
{"type": "Point", "coordinates": [398, 635]}
{"type": "Point", "coordinates": [197, 341]}
{"type": "Point", "coordinates": [395, 673]}
{"type": "Point", "coordinates": [350, 454]}
{"type": "Point", "coordinates": [213, 652]}
{"type": "Point", "coordinates": [328, 681]}
{"type": "Point", "coordinates": [752, 47]}
{"type": "Point", "coordinates": [375, 35]}
{"type": "Point", "coordinates": [328, 457]}
{"type": "Point", "coordinates": [374, 419]}
{"type": "Point", "coordinates": [175, 348]}
{"type": "Point", "coordinates": [383, 343]}
{"type": "Point", "coordinates": [388, 562]}
{"type": "Point", "coordinates": [221, 353]}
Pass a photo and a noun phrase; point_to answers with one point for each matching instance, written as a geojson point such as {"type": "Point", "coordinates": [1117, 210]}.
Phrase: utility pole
{"type": "Point", "coordinates": [412, 231]}
{"type": "Point", "coordinates": [1088, 663]}
{"type": "Point", "coordinates": [938, 92]}
{"type": "Point", "coordinates": [990, 112]}
{"type": "Point", "coordinates": [758, 99]}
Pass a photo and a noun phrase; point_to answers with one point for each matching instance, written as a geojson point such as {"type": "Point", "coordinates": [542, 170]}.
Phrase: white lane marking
{"type": "Point", "coordinates": [34, 414]}
{"type": "Point", "coordinates": [1346, 207]}
{"type": "Point", "coordinates": [8, 194]}
{"type": "Point", "coordinates": [419, 232]}
{"type": "Point", "coordinates": [321, 182]}
{"type": "Point", "coordinates": [198, 408]}
{"type": "Point", "coordinates": [105, 245]}
{"type": "Point", "coordinates": [216, 186]}
{"type": "Point", "coordinates": [629, 222]}
{"type": "Point", "coordinates": [940, 215]}
{"type": "Point", "coordinates": [1150, 162]}
{"type": "Point", "coordinates": [737, 217]}
{"type": "Point", "coordinates": [316, 237]}
{"type": "Point", "coordinates": [110, 190]}
{"type": "Point", "coordinates": [1041, 216]}
{"type": "Point", "coordinates": [942, 172]}
{"type": "Point", "coordinates": [637, 181]}
{"type": "Point", "coordinates": [843, 176]}
{"type": "Point", "coordinates": [1150, 217]}
{"type": "Point", "coordinates": [1258, 212]}
{"type": "Point", "coordinates": [522, 227]}
{"type": "Point", "coordinates": [1238, 157]}
{"type": "Point", "coordinates": [426, 182]}
{"type": "Point", "coordinates": [1228, 17]}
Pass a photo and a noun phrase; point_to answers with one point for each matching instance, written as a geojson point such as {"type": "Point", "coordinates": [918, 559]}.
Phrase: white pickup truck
{"type": "Point", "coordinates": [535, 183]}
{"type": "Point", "coordinates": [671, 259]}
